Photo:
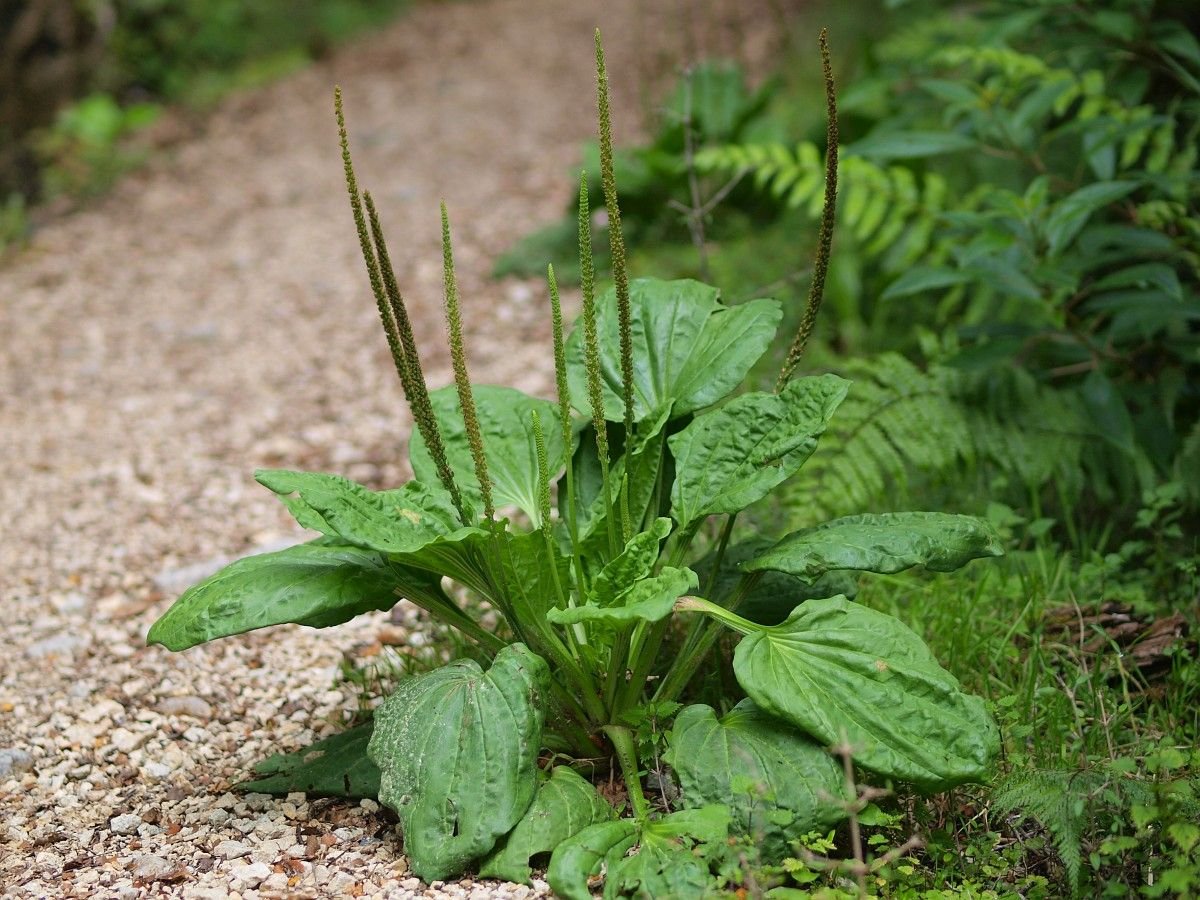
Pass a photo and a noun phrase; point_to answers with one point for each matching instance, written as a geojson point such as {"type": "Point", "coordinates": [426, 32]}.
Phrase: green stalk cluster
{"type": "Point", "coordinates": [616, 243]}
{"type": "Point", "coordinates": [591, 348]}
{"type": "Point", "coordinates": [393, 313]}
{"type": "Point", "coordinates": [816, 291]}
{"type": "Point", "coordinates": [462, 381]}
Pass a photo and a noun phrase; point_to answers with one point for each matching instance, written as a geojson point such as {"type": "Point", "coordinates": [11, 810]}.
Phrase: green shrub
{"type": "Point", "coordinates": [1026, 185]}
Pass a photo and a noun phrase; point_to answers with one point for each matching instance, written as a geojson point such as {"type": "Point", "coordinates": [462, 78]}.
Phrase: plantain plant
{"type": "Point", "coordinates": [599, 526]}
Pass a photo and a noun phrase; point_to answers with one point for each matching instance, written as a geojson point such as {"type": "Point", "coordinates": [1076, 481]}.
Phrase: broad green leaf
{"type": "Point", "coordinates": [527, 574]}
{"type": "Point", "coordinates": [1108, 411]}
{"type": "Point", "coordinates": [728, 458]}
{"type": "Point", "coordinates": [922, 279]}
{"type": "Point", "coordinates": [317, 584]}
{"type": "Point", "coordinates": [640, 465]}
{"type": "Point", "coordinates": [506, 422]}
{"type": "Point", "coordinates": [397, 521]}
{"type": "Point", "coordinates": [336, 766]}
{"type": "Point", "coordinates": [774, 594]}
{"type": "Point", "coordinates": [582, 856]}
{"type": "Point", "coordinates": [649, 600]}
{"type": "Point", "coordinates": [457, 748]}
{"type": "Point", "coordinates": [884, 542]}
{"type": "Point", "coordinates": [1071, 213]}
{"type": "Point", "coordinates": [689, 351]}
{"type": "Point", "coordinates": [565, 804]}
{"type": "Point", "coordinates": [670, 859]}
{"type": "Point", "coordinates": [886, 146]}
{"type": "Point", "coordinates": [634, 563]}
{"type": "Point", "coordinates": [846, 673]}
{"type": "Point", "coordinates": [777, 782]}
{"type": "Point", "coordinates": [672, 856]}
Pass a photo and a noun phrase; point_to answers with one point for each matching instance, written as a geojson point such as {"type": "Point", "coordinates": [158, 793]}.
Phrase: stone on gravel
{"type": "Point", "coordinates": [195, 707]}
{"type": "Point", "coordinates": [251, 875]}
{"type": "Point", "coordinates": [126, 823]}
{"type": "Point", "coordinates": [127, 741]}
{"type": "Point", "coordinates": [15, 762]}
{"type": "Point", "coordinates": [231, 850]}
{"type": "Point", "coordinates": [155, 868]}
{"type": "Point", "coordinates": [56, 645]}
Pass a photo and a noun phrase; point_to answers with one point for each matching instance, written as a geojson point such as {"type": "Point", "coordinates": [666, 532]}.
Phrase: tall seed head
{"type": "Point", "coordinates": [462, 380]}
{"type": "Point", "coordinates": [816, 291]}
{"type": "Point", "coordinates": [616, 239]}
{"type": "Point", "coordinates": [591, 339]}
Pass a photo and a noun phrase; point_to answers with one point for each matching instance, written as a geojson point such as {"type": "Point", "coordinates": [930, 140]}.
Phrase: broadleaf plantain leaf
{"type": "Point", "coordinates": [336, 766]}
{"type": "Point", "coordinates": [884, 542]}
{"type": "Point", "coordinates": [505, 420]}
{"type": "Point", "coordinates": [457, 748]}
{"type": "Point", "coordinates": [648, 600]}
{"type": "Point", "coordinates": [776, 781]}
{"type": "Point", "coordinates": [320, 583]}
{"type": "Point", "coordinates": [565, 804]}
{"type": "Point", "coordinates": [846, 673]}
{"type": "Point", "coordinates": [730, 457]}
{"type": "Point", "coordinates": [672, 856]}
{"type": "Point", "coordinates": [580, 857]}
{"type": "Point", "coordinates": [631, 565]}
{"type": "Point", "coordinates": [774, 594]}
{"type": "Point", "coordinates": [689, 351]}
{"type": "Point", "coordinates": [397, 521]}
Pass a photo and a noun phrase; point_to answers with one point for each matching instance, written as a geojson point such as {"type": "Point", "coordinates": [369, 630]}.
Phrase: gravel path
{"type": "Point", "coordinates": [211, 316]}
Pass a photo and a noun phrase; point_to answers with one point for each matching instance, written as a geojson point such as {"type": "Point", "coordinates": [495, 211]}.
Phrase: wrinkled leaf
{"type": "Point", "coordinates": [397, 521]}
{"type": "Point", "coordinates": [634, 563]}
{"type": "Point", "coordinates": [457, 748]}
{"type": "Point", "coordinates": [506, 422]}
{"type": "Point", "coordinates": [671, 859]}
{"type": "Point", "coordinates": [565, 805]}
{"type": "Point", "coordinates": [527, 574]}
{"type": "Point", "coordinates": [841, 671]}
{"type": "Point", "coordinates": [774, 594]}
{"type": "Point", "coordinates": [730, 457]}
{"type": "Point", "coordinates": [689, 351]}
{"type": "Point", "coordinates": [648, 600]}
{"type": "Point", "coordinates": [583, 856]}
{"type": "Point", "coordinates": [672, 856]}
{"type": "Point", "coordinates": [317, 584]}
{"type": "Point", "coordinates": [884, 542]}
{"type": "Point", "coordinates": [336, 766]}
{"type": "Point", "coordinates": [777, 782]}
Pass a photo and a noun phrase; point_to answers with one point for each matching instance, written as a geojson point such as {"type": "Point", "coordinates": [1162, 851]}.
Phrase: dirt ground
{"type": "Point", "coordinates": [211, 316]}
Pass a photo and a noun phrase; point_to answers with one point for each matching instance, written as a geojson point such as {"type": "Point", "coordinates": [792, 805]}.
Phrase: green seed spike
{"type": "Point", "coordinates": [591, 340]}
{"type": "Point", "coordinates": [415, 389]}
{"type": "Point", "coordinates": [462, 380]}
{"type": "Point", "coordinates": [543, 467]}
{"type": "Point", "coordinates": [560, 360]}
{"type": "Point", "coordinates": [385, 313]}
{"type": "Point", "coordinates": [616, 239]}
{"type": "Point", "coordinates": [816, 291]}
{"type": "Point", "coordinates": [591, 348]}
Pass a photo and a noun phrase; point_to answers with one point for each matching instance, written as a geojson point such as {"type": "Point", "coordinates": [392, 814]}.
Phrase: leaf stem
{"type": "Point", "coordinates": [626, 753]}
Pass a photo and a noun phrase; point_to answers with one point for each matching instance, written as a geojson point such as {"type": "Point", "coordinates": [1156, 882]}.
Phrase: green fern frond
{"type": "Point", "coordinates": [1064, 802]}
{"type": "Point", "coordinates": [884, 207]}
{"type": "Point", "coordinates": [899, 421]}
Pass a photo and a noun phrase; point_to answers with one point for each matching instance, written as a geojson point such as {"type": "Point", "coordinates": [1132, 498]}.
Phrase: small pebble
{"type": "Point", "coordinates": [127, 823]}
{"type": "Point", "coordinates": [185, 706]}
{"type": "Point", "coordinates": [15, 762]}
{"type": "Point", "coordinates": [231, 849]}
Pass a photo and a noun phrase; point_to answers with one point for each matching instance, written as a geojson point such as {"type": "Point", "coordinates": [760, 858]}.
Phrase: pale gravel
{"type": "Point", "coordinates": [209, 317]}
